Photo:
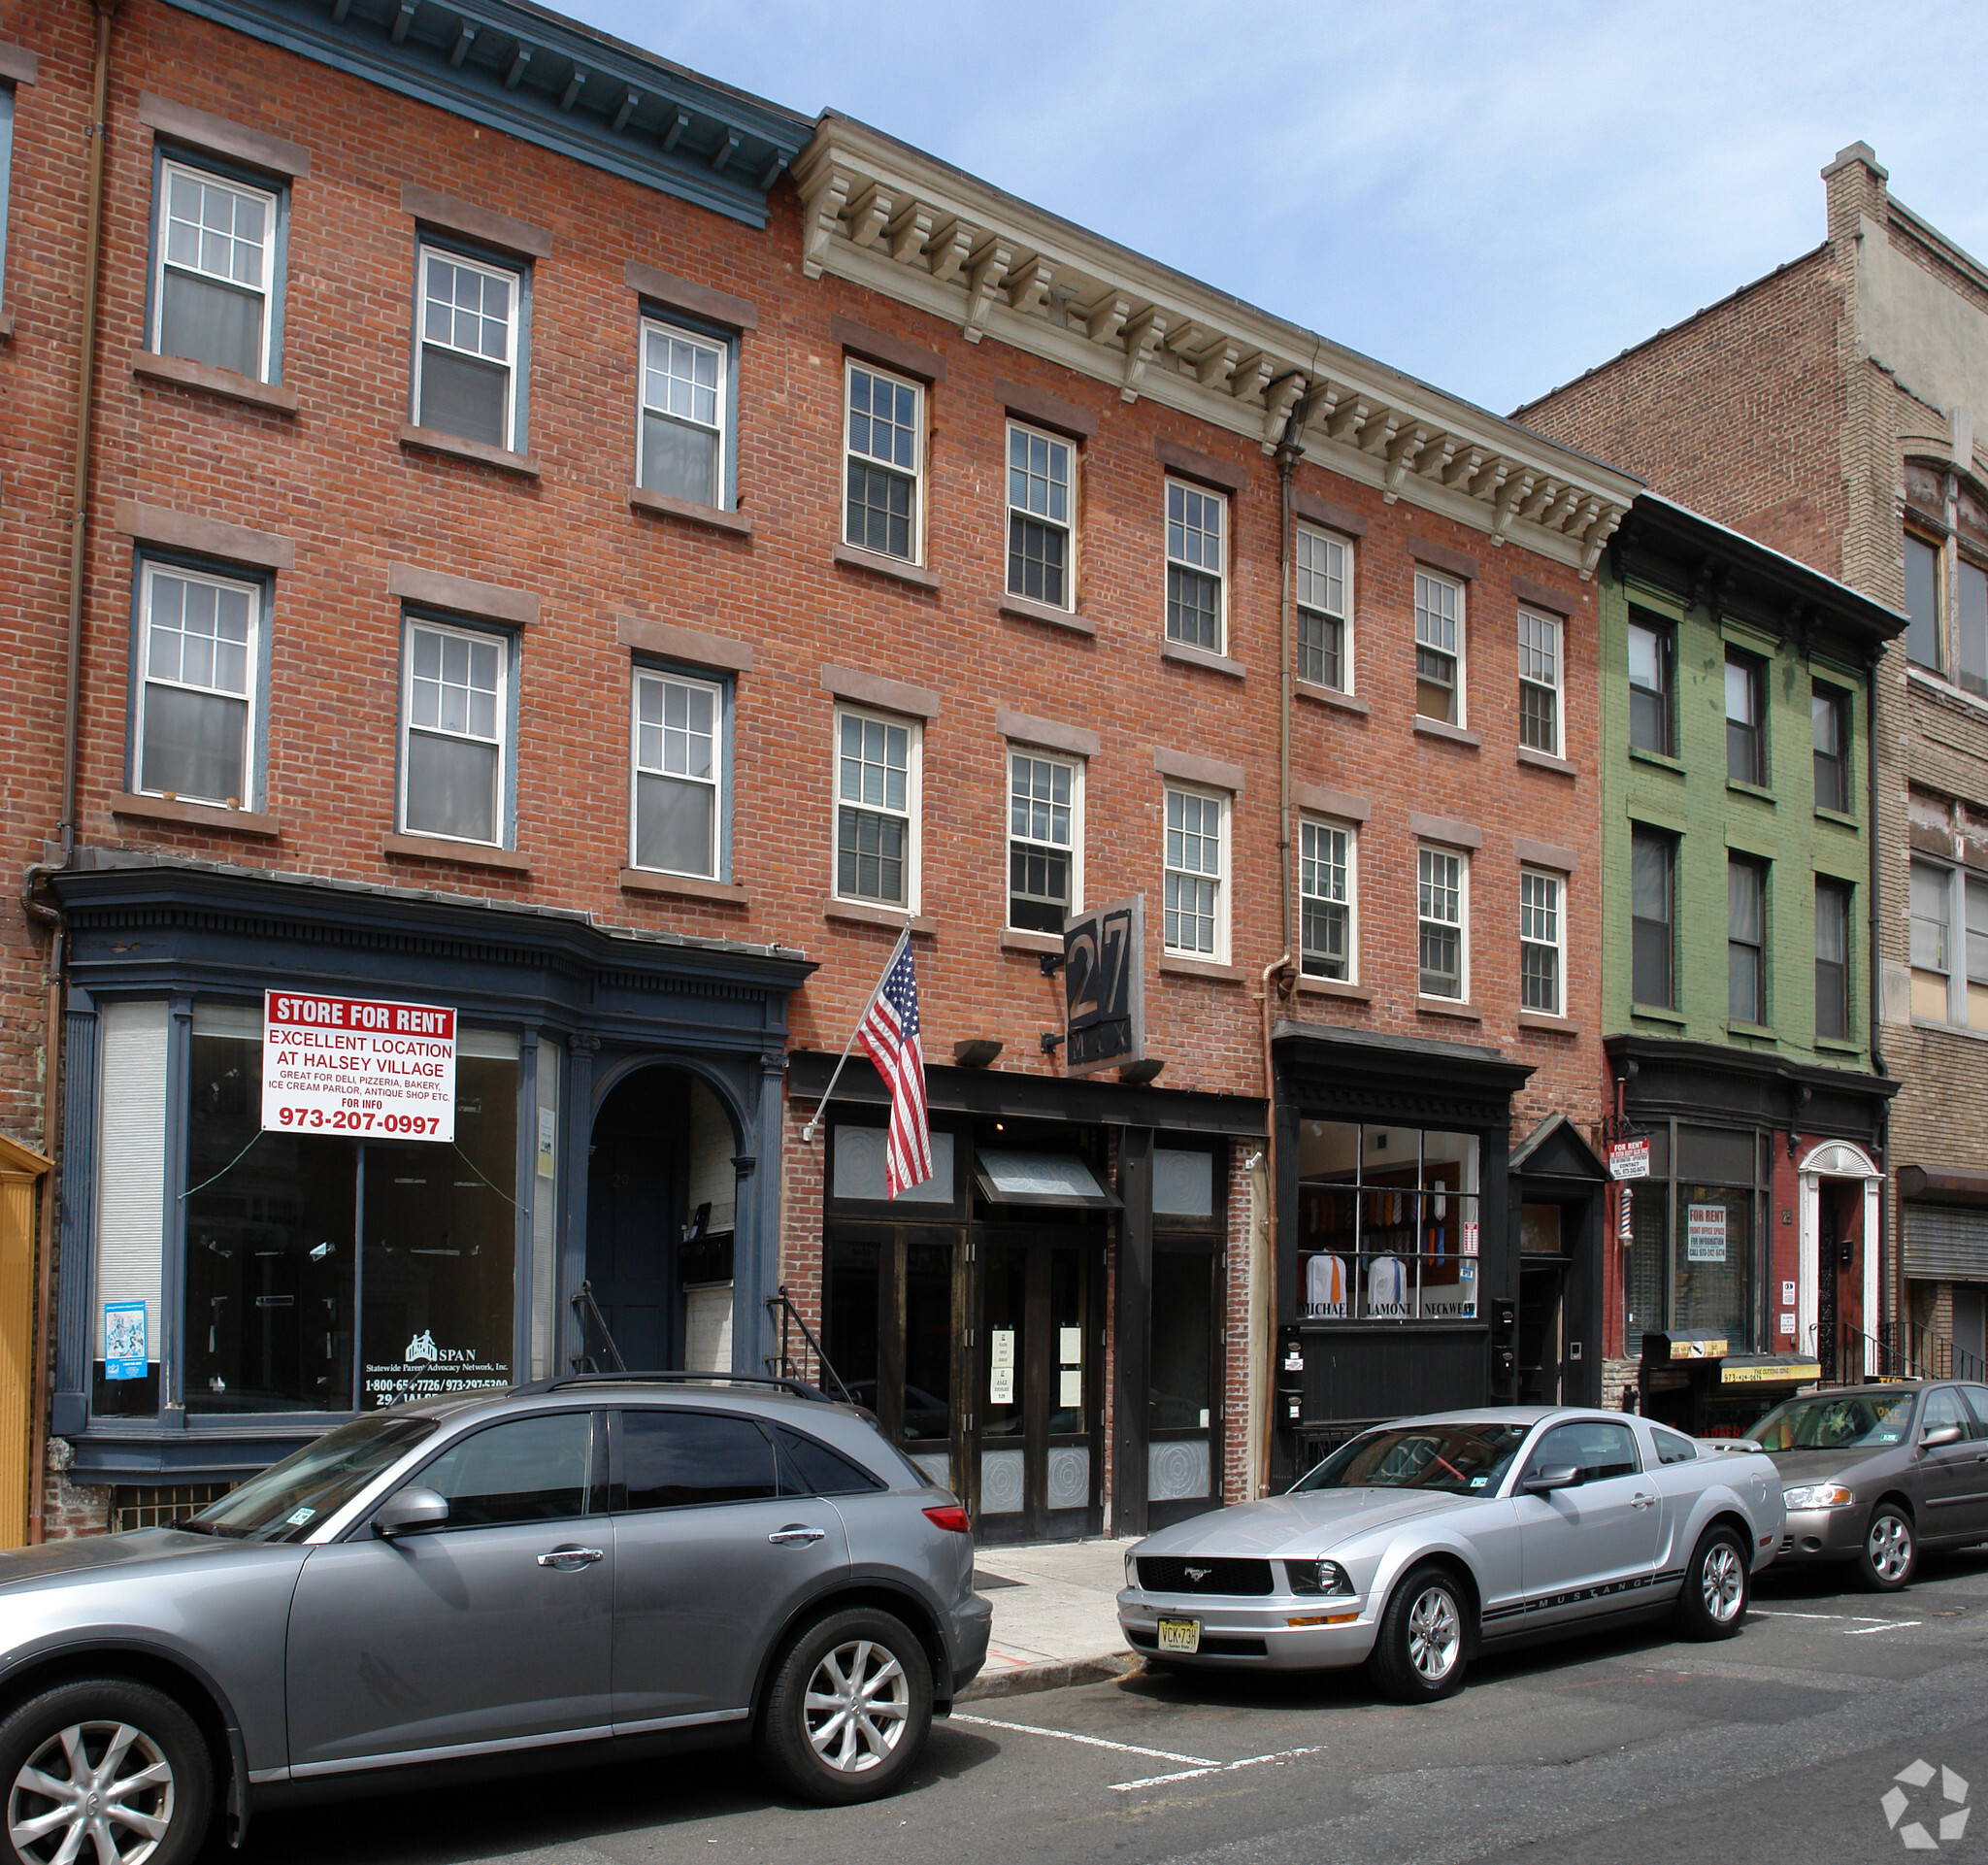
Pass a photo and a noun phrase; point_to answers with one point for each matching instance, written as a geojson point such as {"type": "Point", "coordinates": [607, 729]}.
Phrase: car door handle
{"type": "Point", "coordinates": [796, 1536]}
{"type": "Point", "coordinates": [1642, 1502]}
{"type": "Point", "coordinates": [568, 1558]}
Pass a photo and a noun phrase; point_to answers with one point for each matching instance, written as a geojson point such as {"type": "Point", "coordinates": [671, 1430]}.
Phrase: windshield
{"type": "Point", "coordinates": [1835, 1420]}
{"type": "Point", "coordinates": [289, 1498]}
{"type": "Point", "coordinates": [1464, 1460]}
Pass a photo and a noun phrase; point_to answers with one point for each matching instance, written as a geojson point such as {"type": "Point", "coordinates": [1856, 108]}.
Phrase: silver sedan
{"type": "Point", "coordinates": [1415, 1545]}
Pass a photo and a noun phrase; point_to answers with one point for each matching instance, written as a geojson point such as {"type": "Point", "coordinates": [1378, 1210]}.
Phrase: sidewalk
{"type": "Point", "coordinates": [1055, 1616]}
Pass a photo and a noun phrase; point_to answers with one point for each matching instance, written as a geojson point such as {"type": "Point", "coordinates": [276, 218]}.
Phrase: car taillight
{"type": "Point", "coordinates": [951, 1517]}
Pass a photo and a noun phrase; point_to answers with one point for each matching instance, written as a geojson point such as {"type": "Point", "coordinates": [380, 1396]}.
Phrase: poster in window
{"type": "Point", "coordinates": [1704, 1233]}
{"type": "Point", "coordinates": [124, 1353]}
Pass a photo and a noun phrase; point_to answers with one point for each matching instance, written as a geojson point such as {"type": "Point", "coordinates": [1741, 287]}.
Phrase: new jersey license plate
{"type": "Point", "coordinates": [1179, 1634]}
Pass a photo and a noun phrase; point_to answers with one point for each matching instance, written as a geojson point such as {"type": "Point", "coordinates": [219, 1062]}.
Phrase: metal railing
{"type": "Point", "coordinates": [1900, 1350]}
{"type": "Point", "coordinates": [791, 1361]}
{"type": "Point", "coordinates": [591, 1320]}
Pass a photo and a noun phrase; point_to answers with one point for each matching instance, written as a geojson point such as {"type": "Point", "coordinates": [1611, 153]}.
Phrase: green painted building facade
{"type": "Point", "coordinates": [1736, 899]}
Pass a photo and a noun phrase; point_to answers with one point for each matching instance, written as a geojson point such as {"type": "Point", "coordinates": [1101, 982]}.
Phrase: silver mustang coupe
{"type": "Point", "coordinates": [1415, 1545]}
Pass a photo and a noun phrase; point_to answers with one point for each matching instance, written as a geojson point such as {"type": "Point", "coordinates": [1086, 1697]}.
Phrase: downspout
{"type": "Point", "coordinates": [95, 133]}
{"type": "Point", "coordinates": [1887, 1295]}
{"type": "Point", "coordinates": [1289, 453]}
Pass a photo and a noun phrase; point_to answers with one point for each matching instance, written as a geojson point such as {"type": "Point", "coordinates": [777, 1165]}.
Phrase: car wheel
{"type": "Point", "coordinates": [849, 1708]}
{"type": "Point", "coordinates": [1716, 1583]}
{"type": "Point", "coordinates": [1891, 1550]}
{"type": "Point", "coordinates": [1421, 1651]}
{"type": "Point", "coordinates": [104, 1772]}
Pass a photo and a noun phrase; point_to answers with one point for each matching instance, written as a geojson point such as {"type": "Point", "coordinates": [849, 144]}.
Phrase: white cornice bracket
{"type": "Point", "coordinates": [869, 212]}
{"type": "Point", "coordinates": [1142, 339]}
{"type": "Point", "coordinates": [1400, 450]}
{"type": "Point", "coordinates": [1105, 318]}
{"type": "Point", "coordinates": [988, 269]}
{"type": "Point", "coordinates": [824, 215]}
{"type": "Point", "coordinates": [909, 234]}
{"type": "Point", "coordinates": [1277, 402]}
{"type": "Point", "coordinates": [949, 252]}
{"type": "Point", "coordinates": [1029, 284]}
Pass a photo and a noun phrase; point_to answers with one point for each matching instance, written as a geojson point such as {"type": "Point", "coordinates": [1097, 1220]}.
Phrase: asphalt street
{"type": "Point", "coordinates": [1631, 1746]}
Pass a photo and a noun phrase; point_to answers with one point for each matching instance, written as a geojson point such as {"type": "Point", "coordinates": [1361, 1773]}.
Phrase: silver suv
{"type": "Point", "coordinates": [580, 1570]}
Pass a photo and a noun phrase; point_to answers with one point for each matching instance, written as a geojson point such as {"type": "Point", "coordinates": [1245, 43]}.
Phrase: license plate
{"type": "Point", "coordinates": [1179, 1634]}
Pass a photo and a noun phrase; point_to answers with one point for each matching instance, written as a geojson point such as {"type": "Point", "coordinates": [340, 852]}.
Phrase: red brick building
{"type": "Point", "coordinates": [577, 545]}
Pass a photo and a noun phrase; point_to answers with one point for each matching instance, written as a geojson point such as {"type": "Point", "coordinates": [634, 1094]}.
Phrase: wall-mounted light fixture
{"type": "Point", "coordinates": [1135, 1074]}
{"type": "Point", "coordinates": [976, 1051]}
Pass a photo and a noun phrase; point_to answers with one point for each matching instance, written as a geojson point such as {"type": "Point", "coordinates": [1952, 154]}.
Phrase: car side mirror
{"type": "Point", "coordinates": [1939, 1434]}
{"type": "Point", "coordinates": [408, 1511]}
{"type": "Point", "coordinates": [1549, 1476]}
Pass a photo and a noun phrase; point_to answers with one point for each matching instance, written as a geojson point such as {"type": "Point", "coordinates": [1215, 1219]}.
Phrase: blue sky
{"type": "Point", "coordinates": [1491, 197]}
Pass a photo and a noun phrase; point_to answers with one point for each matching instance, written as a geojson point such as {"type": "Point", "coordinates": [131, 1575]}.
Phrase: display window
{"type": "Point", "coordinates": [1388, 1224]}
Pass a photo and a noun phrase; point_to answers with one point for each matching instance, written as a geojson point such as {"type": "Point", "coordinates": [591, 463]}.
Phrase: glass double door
{"type": "Point", "coordinates": [979, 1349]}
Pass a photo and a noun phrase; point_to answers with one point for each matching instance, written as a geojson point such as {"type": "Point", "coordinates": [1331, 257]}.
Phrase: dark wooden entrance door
{"type": "Point", "coordinates": [1033, 1447]}
{"type": "Point", "coordinates": [635, 1213]}
{"type": "Point", "coordinates": [1540, 1326]}
{"type": "Point", "coordinates": [1828, 1250]}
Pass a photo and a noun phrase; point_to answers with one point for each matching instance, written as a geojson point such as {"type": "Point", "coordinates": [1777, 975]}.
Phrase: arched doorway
{"type": "Point", "coordinates": [661, 1207]}
{"type": "Point", "coordinates": [1837, 1291]}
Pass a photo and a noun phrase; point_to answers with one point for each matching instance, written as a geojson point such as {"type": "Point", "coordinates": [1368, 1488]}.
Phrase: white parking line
{"type": "Point", "coordinates": [1886, 1625]}
{"type": "Point", "coordinates": [1197, 1765]}
{"type": "Point", "coordinates": [1869, 1622]}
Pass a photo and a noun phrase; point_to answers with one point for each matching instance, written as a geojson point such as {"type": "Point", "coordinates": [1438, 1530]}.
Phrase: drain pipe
{"type": "Point", "coordinates": [95, 134]}
{"type": "Point", "coordinates": [1887, 1295]}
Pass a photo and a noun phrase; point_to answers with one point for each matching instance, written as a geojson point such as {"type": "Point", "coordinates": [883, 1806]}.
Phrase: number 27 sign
{"type": "Point", "coordinates": [1104, 986]}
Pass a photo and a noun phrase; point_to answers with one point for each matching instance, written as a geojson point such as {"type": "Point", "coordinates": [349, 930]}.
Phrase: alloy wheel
{"type": "Point", "coordinates": [101, 1791]}
{"type": "Point", "coordinates": [1435, 1634]}
{"type": "Point", "coordinates": [1724, 1581]}
{"type": "Point", "coordinates": [1891, 1547]}
{"type": "Point", "coordinates": [857, 1705]}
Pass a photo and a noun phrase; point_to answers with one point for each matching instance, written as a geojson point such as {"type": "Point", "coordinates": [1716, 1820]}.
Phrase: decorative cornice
{"type": "Point", "coordinates": [898, 221]}
{"type": "Point", "coordinates": [527, 72]}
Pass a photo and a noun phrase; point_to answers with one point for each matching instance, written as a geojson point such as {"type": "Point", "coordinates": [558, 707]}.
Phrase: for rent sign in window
{"type": "Point", "coordinates": [359, 1066]}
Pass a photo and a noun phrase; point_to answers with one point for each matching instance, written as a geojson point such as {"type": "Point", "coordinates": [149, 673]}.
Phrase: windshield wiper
{"type": "Point", "coordinates": [193, 1525]}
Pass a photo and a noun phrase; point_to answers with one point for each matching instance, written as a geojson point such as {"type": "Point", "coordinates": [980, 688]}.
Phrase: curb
{"type": "Point", "coordinates": [1027, 1678]}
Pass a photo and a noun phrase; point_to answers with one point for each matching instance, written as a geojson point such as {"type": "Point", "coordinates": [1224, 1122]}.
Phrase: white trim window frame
{"type": "Point", "coordinates": [1196, 862]}
{"type": "Point", "coordinates": [1443, 913]}
{"type": "Point", "coordinates": [1042, 517]}
{"type": "Point", "coordinates": [683, 414]}
{"type": "Point", "coordinates": [883, 452]}
{"type": "Point", "coordinates": [676, 775]}
{"type": "Point", "coordinates": [1439, 623]}
{"type": "Point", "coordinates": [1949, 944]}
{"type": "Point", "coordinates": [455, 733]}
{"type": "Point", "coordinates": [1325, 610]}
{"type": "Point", "coordinates": [1541, 681]}
{"type": "Point", "coordinates": [1045, 837]}
{"type": "Point", "coordinates": [198, 710]}
{"type": "Point", "coordinates": [1542, 941]}
{"type": "Point", "coordinates": [1197, 566]}
{"type": "Point", "coordinates": [469, 324]}
{"type": "Point", "coordinates": [1328, 927]}
{"type": "Point", "coordinates": [216, 247]}
{"type": "Point", "coordinates": [873, 838]}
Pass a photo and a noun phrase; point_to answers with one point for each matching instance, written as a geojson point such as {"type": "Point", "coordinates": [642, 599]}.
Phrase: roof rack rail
{"type": "Point", "coordinates": [800, 1388]}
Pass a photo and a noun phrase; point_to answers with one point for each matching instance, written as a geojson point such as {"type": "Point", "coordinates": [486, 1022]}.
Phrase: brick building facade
{"type": "Point", "coordinates": [599, 554]}
{"type": "Point", "coordinates": [1830, 410]}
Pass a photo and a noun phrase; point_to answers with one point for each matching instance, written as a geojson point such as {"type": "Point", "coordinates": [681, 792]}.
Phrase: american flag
{"type": "Point", "coordinates": [889, 1034]}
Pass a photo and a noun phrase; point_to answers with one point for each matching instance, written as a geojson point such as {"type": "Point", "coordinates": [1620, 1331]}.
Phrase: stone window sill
{"type": "Point", "coordinates": [1330, 696]}
{"type": "Point", "coordinates": [1022, 609]}
{"type": "Point", "coordinates": [1189, 655]}
{"type": "Point", "coordinates": [1543, 761]}
{"type": "Point", "coordinates": [661, 505]}
{"type": "Point", "coordinates": [1556, 1025]}
{"type": "Point", "coordinates": [467, 855]}
{"type": "Point", "coordinates": [1174, 965]}
{"type": "Point", "coordinates": [858, 912]}
{"type": "Point", "coordinates": [1448, 1006]}
{"type": "Point", "coordinates": [896, 568]}
{"type": "Point", "coordinates": [1441, 728]}
{"type": "Point", "coordinates": [1657, 1014]}
{"type": "Point", "coordinates": [1335, 987]}
{"type": "Point", "coordinates": [1838, 1047]}
{"type": "Point", "coordinates": [1759, 1032]}
{"type": "Point", "coordinates": [1755, 790]}
{"type": "Point", "coordinates": [684, 887]}
{"type": "Point", "coordinates": [195, 815]}
{"type": "Point", "coordinates": [277, 398]}
{"type": "Point", "coordinates": [1016, 939]}
{"type": "Point", "coordinates": [429, 440]}
{"type": "Point", "coordinates": [1841, 819]}
{"type": "Point", "coordinates": [1663, 760]}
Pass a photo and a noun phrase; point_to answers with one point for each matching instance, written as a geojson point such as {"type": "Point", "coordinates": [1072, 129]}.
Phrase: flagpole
{"type": "Point", "coordinates": [807, 1132]}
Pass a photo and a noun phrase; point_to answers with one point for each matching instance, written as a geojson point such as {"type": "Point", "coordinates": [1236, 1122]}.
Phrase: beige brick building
{"type": "Point", "coordinates": [1829, 411]}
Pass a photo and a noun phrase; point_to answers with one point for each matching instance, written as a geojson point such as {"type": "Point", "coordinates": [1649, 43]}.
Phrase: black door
{"type": "Point", "coordinates": [1828, 1246]}
{"type": "Point", "coordinates": [1540, 1327]}
{"type": "Point", "coordinates": [1183, 1383]}
{"type": "Point", "coordinates": [635, 1211]}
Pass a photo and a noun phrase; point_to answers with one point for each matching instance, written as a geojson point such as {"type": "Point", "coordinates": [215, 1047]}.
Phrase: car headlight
{"type": "Point", "coordinates": [1822, 1495]}
{"type": "Point", "coordinates": [1131, 1572]}
{"type": "Point", "coordinates": [1318, 1577]}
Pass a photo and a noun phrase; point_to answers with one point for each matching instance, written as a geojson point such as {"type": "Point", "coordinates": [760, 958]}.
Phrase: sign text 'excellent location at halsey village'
{"type": "Point", "coordinates": [354, 1065]}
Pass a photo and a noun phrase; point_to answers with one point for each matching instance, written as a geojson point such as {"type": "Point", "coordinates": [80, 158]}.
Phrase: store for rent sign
{"type": "Point", "coordinates": [357, 1065]}
{"type": "Point", "coordinates": [1704, 1233]}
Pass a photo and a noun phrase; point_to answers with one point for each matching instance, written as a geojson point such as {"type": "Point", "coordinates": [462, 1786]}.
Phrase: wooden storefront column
{"type": "Point", "coordinates": [20, 1172]}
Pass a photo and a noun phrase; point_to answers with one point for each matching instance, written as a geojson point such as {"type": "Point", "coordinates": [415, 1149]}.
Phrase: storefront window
{"type": "Point", "coordinates": [1714, 1253]}
{"type": "Point", "coordinates": [1388, 1224]}
{"type": "Point", "coordinates": [1689, 1262]}
{"type": "Point", "coordinates": [299, 1246]}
